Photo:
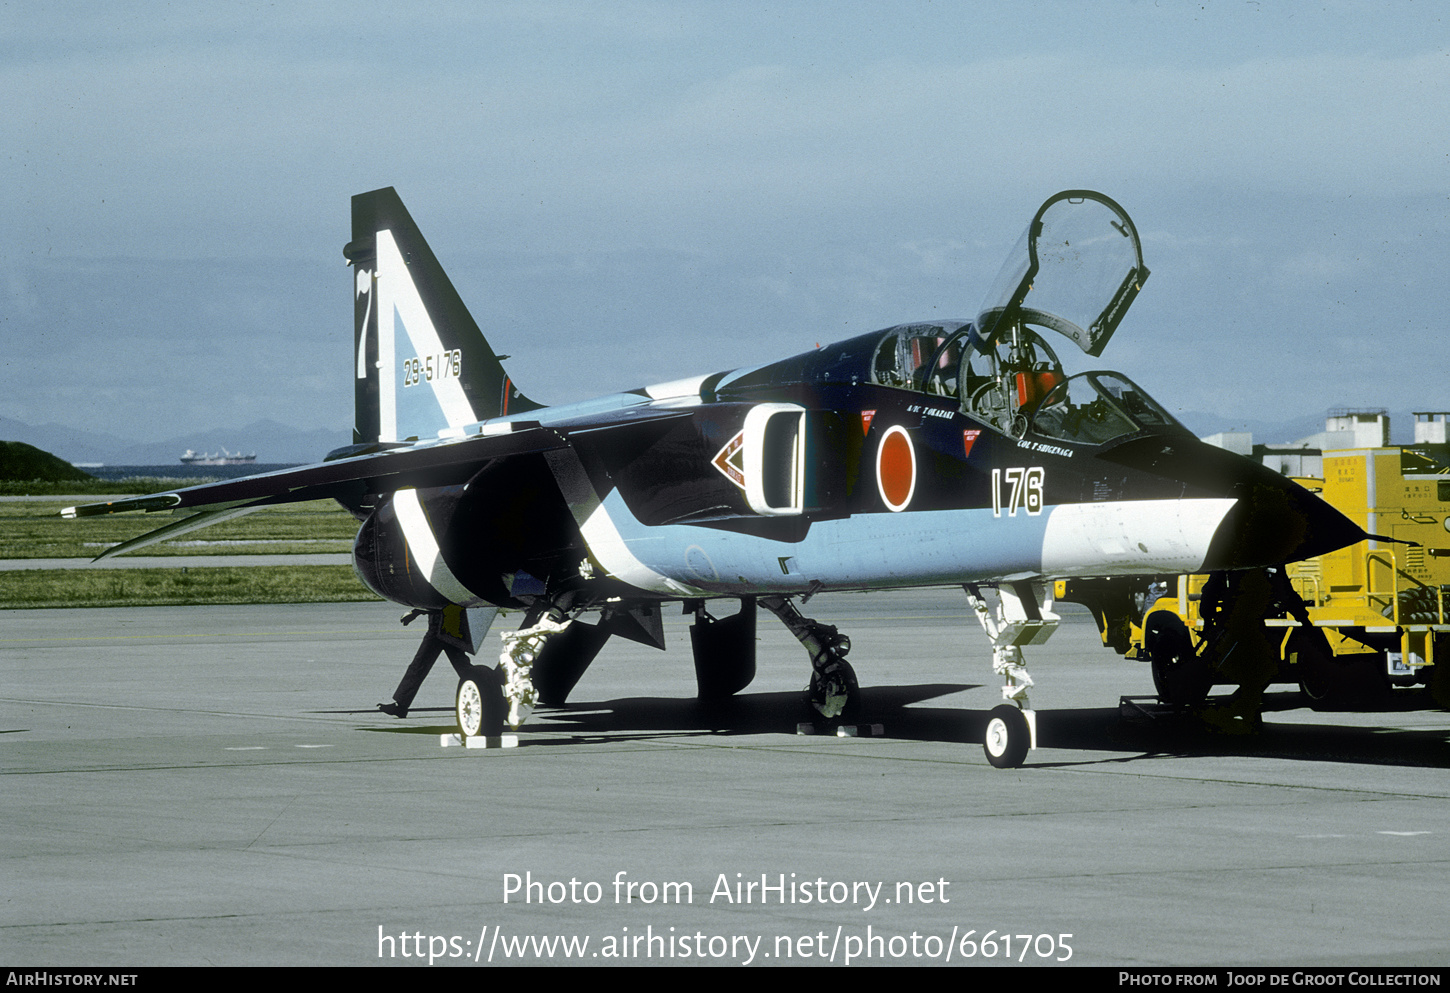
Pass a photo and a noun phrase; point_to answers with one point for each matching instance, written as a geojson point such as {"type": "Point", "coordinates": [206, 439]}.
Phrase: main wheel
{"type": "Point", "coordinates": [1179, 675]}
{"type": "Point", "coordinates": [833, 692]}
{"type": "Point", "coordinates": [1008, 737]}
{"type": "Point", "coordinates": [479, 704]}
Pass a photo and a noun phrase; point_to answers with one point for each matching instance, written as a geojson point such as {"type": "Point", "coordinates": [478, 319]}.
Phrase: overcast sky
{"type": "Point", "coordinates": [630, 192]}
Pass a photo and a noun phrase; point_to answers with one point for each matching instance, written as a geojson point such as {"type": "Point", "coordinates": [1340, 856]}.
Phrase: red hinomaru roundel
{"type": "Point", "coordinates": [896, 468]}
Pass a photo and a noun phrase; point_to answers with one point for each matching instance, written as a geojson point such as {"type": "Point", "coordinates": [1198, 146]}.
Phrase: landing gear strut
{"type": "Point", "coordinates": [520, 649]}
{"type": "Point", "coordinates": [1019, 619]}
{"type": "Point", "coordinates": [833, 692]}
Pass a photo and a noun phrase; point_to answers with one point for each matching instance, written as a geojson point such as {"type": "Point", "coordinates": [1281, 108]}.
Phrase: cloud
{"type": "Point", "coordinates": [790, 171]}
{"type": "Point", "coordinates": [183, 123]}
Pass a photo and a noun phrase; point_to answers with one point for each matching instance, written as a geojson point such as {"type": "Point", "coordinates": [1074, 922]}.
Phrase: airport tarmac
{"type": "Point", "coordinates": [212, 785]}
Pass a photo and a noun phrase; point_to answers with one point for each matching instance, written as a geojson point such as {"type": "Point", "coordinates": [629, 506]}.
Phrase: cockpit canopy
{"type": "Point", "coordinates": [1088, 408]}
{"type": "Point", "coordinates": [1075, 270]}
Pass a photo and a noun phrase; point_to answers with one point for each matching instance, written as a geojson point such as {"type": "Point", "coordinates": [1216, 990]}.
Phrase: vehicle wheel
{"type": "Point", "coordinates": [479, 704]}
{"type": "Point", "coordinates": [1179, 675]}
{"type": "Point", "coordinates": [1008, 737]}
{"type": "Point", "coordinates": [833, 692]}
{"type": "Point", "coordinates": [1440, 674]}
{"type": "Point", "coordinates": [1313, 665]}
{"type": "Point", "coordinates": [1317, 685]}
{"type": "Point", "coordinates": [1345, 682]}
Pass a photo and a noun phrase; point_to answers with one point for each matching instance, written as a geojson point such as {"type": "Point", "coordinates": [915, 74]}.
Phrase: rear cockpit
{"type": "Point", "coordinates": [920, 357]}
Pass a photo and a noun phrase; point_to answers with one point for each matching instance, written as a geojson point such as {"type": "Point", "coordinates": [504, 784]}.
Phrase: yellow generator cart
{"type": "Point", "coordinates": [1348, 627]}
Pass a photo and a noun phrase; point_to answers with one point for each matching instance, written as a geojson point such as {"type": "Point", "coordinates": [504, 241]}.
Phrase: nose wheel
{"type": "Point", "coordinates": [1023, 616]}
{"type": "Point", "coordinates": [1008, 737]}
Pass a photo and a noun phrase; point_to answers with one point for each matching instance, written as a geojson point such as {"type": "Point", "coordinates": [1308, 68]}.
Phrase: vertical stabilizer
{"type": "Point", "coordinates": [421, 364]}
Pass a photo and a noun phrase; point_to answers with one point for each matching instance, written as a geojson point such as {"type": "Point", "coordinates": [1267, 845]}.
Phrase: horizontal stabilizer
{"type": "Point", "coordinates": [187, 524]}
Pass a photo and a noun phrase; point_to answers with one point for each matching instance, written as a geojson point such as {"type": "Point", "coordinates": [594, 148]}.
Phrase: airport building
{"type": "Point", "coordinates": [1345, 429]}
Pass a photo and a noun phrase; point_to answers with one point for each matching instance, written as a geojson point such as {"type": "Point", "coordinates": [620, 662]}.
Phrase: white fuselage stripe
{"type": "Point", "coordinates": [915, 548]}
{"type": "Point", "coordinates": [397, 295]}
{"type": "Point", "coordinates": [612, 552]}
{"type": "Point", "coordinates": [423, 546]}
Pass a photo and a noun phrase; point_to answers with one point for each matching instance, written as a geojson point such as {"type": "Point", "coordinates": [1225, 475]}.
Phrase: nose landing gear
{"type": "Point", "coordinates": [1022, 617]}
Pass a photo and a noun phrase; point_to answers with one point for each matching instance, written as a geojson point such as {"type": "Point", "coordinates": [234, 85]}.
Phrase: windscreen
{"type": "Point", "coordinates": [1096, 407]}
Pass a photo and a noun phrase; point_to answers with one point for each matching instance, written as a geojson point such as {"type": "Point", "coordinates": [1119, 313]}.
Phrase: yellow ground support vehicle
{"type": "Point", "coordinates": [1348, 627]}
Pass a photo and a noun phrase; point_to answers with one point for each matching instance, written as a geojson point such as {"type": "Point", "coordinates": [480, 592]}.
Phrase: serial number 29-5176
{"type": "Point", "coordinates": [426, 368]}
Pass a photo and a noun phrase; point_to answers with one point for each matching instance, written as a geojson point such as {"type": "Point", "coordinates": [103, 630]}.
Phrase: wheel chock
{"type": "Point", "coordinates": [479, 740]}
{"type": "Point", "coordinates": [842, 730]}
{"type": "Point", "coordinates": [1144, 708]}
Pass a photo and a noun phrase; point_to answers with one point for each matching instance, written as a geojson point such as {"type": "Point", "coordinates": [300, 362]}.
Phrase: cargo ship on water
{"type": "Point", "coordinates": [189, 457]}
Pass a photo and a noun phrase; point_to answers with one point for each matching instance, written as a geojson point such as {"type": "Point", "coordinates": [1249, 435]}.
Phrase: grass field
{"type": "Point", "coordinates": [34, 529]}
{"type": "Point", "coordinates": [180, 586]}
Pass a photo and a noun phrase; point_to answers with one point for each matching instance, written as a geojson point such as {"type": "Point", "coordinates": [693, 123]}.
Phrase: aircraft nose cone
{"type": "Point", "coordinates": [1273, 520]}
{"type": "Point", "coordinates": [1277, 521]}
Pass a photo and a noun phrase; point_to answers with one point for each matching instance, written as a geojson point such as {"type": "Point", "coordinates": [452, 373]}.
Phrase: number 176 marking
{"type": "Point", "coordinates": [1026, 490]}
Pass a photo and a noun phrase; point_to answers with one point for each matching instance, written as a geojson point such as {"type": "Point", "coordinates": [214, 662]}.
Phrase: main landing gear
{"type": "Point", "coordinates": [479, 704]}
{"type": "Point", "coordinates": [1022, 615]}
{"type": "Point", "coordinates": [833, 692]}
{"type": "Point", "coordinates": [1018, 619]}
{"type": "Point", "coordinates": [543, 660]}
{"type": "Point", "coordinates": [456, 632]}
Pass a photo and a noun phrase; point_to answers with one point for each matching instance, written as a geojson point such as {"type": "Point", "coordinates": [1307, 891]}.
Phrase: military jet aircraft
{"type": "Point", "coordinates": [928, 454]}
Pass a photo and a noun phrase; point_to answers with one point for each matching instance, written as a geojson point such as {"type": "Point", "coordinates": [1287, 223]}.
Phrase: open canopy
{"type": "Point", "coordinates": [1075, 270]}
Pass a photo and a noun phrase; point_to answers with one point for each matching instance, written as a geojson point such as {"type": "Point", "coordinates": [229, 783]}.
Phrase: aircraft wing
{"type": "Point", "coordinates": [444, 463]}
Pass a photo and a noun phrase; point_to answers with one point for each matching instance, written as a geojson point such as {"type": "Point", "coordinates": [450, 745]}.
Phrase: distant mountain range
{"type": "Point", "coordinates": [272, 442]}
{"type": "Point", "coordinates": [1402, 426]}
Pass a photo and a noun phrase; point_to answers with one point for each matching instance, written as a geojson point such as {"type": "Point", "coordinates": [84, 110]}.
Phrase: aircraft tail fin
{"type": "Point", "coordinates": [422, 365]}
